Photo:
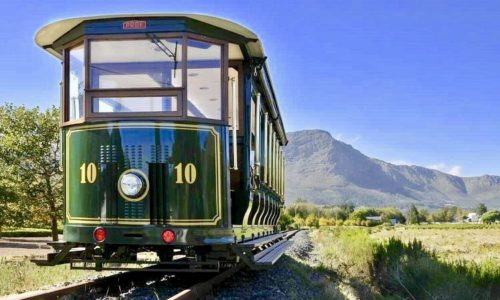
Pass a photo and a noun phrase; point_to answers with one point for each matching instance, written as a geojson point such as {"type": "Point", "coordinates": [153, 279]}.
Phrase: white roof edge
{"type": "Point", "coordinates": [48, 34]}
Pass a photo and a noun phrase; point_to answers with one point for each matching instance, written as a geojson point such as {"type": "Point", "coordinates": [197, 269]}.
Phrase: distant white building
{"type": "Point", "coordinates": [374, 218]}
{"type": "Point", "coordinates": [472, 217]}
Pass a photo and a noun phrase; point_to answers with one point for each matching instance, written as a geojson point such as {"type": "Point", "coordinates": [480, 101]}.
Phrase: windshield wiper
{"type": "Point", "coordinates": [165, 49]}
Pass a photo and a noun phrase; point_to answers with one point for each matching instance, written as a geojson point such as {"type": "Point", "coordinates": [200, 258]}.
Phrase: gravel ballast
{"type": "Point", "coordinates": [293, 277]}
{"type": "Point", "coordinates": [282, 281]}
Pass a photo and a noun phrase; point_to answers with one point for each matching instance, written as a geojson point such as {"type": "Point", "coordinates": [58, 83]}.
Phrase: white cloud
{"type": "Point", "coordinates": [346, 139]}
{"type": "Point", "coordinates": [401, 163]}
{"type": "Point", "coordinates": [453, 170]}
{"type": "Point", "coordinates": [445, 168]}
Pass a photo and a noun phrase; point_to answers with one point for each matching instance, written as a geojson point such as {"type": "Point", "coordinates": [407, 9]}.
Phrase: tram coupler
{"type": "Point", "coordinates": [62, 254]}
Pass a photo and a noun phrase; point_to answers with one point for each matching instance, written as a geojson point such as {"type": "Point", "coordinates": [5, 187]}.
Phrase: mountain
{"type": "Point", "coordinates": [327, 171]}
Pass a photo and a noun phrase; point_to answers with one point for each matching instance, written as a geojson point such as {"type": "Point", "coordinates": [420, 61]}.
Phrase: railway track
{"type": "Point", "coordinates": [203, 286]}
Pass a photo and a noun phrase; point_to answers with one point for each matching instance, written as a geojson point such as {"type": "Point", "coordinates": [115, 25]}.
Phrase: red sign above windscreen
{"type": "Point", "coordinates": [134, 24]}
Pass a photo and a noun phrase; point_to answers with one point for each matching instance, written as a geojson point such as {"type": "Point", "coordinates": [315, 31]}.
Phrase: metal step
{"type": "Point", "coordinates": [274, 253]}
{"type": "Point", "coordinates": [261, 241]}
{"type": "Point", "coordinates": [263, 252]}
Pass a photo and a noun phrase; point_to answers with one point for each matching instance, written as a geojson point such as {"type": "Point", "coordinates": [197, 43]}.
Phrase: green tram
{"type": "Point", "coordinates": [172, 141]}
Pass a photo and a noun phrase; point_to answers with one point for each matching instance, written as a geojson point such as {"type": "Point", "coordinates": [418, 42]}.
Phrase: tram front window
{"type": "Point", "coordinates": [139, 63]}
{"type": "Point", "coordinates": [146, 75]}
{"type": "Point", "coordinates": [76, 85]}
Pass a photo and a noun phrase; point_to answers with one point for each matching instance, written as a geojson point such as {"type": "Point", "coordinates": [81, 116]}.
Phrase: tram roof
{"type": "Point", "coordinates": [47, 38]}
{"type": "Point", "coordinates": [49, 34]}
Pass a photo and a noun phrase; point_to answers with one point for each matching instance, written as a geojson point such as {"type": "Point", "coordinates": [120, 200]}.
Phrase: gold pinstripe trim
{"type": "Point", "coordinates": [183, 222]}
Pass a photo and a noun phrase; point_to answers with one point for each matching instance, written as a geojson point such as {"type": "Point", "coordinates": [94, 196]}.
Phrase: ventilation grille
{"type": "Point", "coordinates": [107, 154]}
{"type": "Point", "coordinates": [133, 157]}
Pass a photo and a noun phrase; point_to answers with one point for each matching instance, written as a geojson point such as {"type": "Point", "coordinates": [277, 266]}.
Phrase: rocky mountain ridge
{"type": "Point", "coordinates": [327, 171]}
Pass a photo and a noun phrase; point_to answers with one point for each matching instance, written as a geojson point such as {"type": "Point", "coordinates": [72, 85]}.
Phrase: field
{"type": "Point", "coordinates": [411, 262]}
{"type": "Point", "coordinates": [18, 274]}
{"type": "Point", "coordinates": [450, 244]}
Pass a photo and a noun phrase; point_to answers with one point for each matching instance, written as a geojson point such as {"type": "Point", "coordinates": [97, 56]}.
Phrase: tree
{"type": "Point", "coordinates": [29, 144]}
{"type": "Point", "coordinates": [481, 209]}
{"type": "Point", "coordinates": [361, 213]}
{"type": "Point", "coordinates": [285, 220]}
{"type": "Point", "coordinates": [413, 216]}
{"type": "Point", "coordinates": [298, 221]}
{"type": "Point", "coordinates": [491, 217]}
{"type": "Point", "coordinates": [447, 214]}
{"type": "Point", "coordinates": [312, 221]}
{"type": "Point", "coordinates": [388, 213]}
{"type": "Point", "coordinates": [7, 202]}
{"type": "Point", "coordinates": [423, 215]}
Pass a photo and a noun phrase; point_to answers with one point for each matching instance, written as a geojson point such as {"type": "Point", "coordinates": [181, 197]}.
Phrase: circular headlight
{"type": "Point", "coordinates": [131, 185]}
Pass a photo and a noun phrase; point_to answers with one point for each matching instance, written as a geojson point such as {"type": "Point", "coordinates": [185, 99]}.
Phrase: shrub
{"type": "Point", "coordinates": [28, 232]}
{"type": "Point", "coordinates": [490, 216]}
{"type": "Point", "coordinates": [312, 221]}
{"type": "Point", "coordinates": [409, 270]}
{"type": "Point", "coordinates": [285, 221]}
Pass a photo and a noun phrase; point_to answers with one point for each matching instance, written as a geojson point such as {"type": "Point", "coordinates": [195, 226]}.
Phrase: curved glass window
{"type": "Point", "coordinates": [140, 63]}
{"type": "Point", "coordinates": [76, 82]}
{"type": "Point", "coordinates": [204, 85]}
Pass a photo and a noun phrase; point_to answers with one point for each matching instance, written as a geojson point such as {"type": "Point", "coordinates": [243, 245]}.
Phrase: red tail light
{"type": "Point", "coordinates": [168, 236]}
{"type": "Point", "coordinates": [99, 234]}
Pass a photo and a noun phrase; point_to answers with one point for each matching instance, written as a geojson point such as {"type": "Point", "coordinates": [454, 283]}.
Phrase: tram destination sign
{"type": "Point", "coordinates": [134, 24]}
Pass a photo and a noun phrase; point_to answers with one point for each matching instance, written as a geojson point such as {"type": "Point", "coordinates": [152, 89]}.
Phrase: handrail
{"type": "Point", "coordinates": [257, 136]}
{"type": "Point", "coordinates": [234, 124]}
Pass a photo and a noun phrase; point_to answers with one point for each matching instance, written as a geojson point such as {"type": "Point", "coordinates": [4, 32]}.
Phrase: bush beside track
{"type": "Point", "coordinates": [27, 232]}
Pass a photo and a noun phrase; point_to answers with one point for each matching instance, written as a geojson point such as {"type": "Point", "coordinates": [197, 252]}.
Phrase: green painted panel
{"type": "Point", "coordinates": [185, 165]}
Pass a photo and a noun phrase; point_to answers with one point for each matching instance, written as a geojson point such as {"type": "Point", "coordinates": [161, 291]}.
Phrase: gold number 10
{"type": "Point", "coordinates": [88, 173]}
{"type": "Point", "coordinates": [189, 173]}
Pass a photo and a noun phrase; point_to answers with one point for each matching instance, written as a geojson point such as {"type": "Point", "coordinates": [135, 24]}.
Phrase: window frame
{"type": "Point", "coordinates": [180, 92]}
{"type": "Point", "coordinates": [224, 75]}
{"type": "Point", "coordinates": [65, 83]}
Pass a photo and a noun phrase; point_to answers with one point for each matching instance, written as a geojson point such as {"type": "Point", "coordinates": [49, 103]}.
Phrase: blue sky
{"type": "Point", "coordinates": [411, 82]}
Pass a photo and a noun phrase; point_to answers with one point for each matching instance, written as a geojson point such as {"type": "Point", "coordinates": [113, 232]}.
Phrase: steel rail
{"type": "Point", "coordinates": [196, 291]}
{"type": "Point", "coordinates": [202, 289]}
{"type": "Point", "coordinates": [59, 291]}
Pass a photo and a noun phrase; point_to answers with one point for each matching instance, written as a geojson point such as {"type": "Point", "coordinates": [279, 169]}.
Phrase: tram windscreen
{"type": "Point", "coordinates": [138, 63]}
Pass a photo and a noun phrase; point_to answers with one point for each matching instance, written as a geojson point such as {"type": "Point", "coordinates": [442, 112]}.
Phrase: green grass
{"type": "Point", "coordinates": [377, 263]}
{"type": "Point", "coordinates": [27, 232]}
{"type": "Point", "coordinates": [346, 252]}
{"type": "Point", "coordinates": [20, 275]}
{"type": "Point", "coordinates": [409, 270]}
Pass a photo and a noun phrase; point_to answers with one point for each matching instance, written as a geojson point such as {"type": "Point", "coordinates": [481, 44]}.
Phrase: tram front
{"type": "Point", "coordinates": [144, 134]}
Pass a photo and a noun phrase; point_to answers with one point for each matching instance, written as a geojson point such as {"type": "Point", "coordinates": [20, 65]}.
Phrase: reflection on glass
{"type": "Point", "coordinates": [134, 104]}
{"type": "Point", "coordinates": [76, 85]}
{"type": "Point", "coordinates": [141, 63]}
{"type": "Point", "coordinates": [204, 80]}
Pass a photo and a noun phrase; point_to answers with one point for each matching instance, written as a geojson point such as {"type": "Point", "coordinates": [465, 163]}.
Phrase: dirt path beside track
{"type": "Point", "coordinates": [24, 246]}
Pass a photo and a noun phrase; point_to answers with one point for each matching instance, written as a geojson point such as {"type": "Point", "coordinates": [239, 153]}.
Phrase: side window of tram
{"type": "Point", "coordinates": [204, 85]}
{"type": "Point", "coordinates": [76, 85]}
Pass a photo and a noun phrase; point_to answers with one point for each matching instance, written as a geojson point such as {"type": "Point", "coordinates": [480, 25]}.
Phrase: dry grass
{"type": "Point", "coordinates": [20, 275]}
{"type": "Point", "coordinates": [412, 262]}
{"type": "Point", "coordinates": [450, 244]}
